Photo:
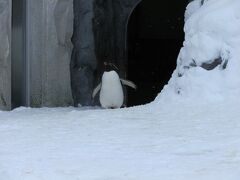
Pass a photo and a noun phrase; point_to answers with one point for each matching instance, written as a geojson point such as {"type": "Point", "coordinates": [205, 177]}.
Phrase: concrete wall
{"type": "Point", "coordinates": [5, 57]}
{"type": "Point", "coordinates": [49, 31]}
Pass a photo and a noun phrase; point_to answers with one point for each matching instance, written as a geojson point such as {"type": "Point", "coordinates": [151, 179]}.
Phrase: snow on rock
{"type": "Point", "coordinates": [208, 65]}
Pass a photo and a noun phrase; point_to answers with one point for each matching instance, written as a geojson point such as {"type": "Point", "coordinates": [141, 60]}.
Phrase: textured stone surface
{"type": "Point", "coordinates": [83, 62]}
{"type": "Point", "coordinates": [5, 60]}
{"type": "Point", "coordinates": [49, 27]}
{"type": "Point", "coordinates": [99, 36]}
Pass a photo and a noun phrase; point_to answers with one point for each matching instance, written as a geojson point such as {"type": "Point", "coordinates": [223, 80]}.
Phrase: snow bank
{"type": "Point", "coordinates": [208, 66]}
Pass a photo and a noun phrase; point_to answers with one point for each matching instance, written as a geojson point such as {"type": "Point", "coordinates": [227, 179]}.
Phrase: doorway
{"type": "Point", "coordinates": [155, 36]}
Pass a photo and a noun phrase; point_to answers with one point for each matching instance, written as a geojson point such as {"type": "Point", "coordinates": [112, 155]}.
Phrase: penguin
{"type": "Point", "coordinates": [111, 90]}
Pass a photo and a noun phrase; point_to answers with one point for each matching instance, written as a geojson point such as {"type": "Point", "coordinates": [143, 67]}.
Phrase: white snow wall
{"type": "Point", "coordinates": [5, 59]}
{"type": "Point", "coordinates": [49, 31]}
{"type": "Point", "coordinates": [208, 66]}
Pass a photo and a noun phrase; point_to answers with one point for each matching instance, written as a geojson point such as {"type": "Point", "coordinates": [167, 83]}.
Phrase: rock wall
{"type": "Point", "coordinates": [83, 62]}
{"type": "Point", "coordinates": [49, 31]}
{"type": "Point", "coordinates": [5, 57]}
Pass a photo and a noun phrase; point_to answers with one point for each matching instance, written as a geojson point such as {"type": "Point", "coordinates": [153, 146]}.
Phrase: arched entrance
{"type": "Point", "coordinates": [155, 36]}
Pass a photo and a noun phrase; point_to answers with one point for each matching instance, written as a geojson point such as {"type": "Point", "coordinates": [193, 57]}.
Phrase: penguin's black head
{"type": "Point", "coordinates": [110, 67]}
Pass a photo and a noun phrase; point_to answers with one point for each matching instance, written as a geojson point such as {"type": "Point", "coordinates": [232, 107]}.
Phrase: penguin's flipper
{"type": "Point", "coordinates": [129, 83]}
{"type": "Point", "coordinates": [95, 91]}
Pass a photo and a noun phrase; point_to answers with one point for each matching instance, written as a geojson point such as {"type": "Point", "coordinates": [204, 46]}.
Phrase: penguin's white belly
{"type": "Point", "coordinates": [111, 93]}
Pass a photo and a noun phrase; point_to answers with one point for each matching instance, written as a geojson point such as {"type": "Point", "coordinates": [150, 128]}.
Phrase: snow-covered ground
{"type": "Point", "coordinates": [175, 141]}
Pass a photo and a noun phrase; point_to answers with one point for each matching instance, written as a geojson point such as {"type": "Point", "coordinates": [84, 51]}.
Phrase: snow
{"type": "Point", "coordinates": [211, 33]}
{"type": "Point", "coordinates": [172, 142]}
{"type": "Point", "coordinates": [190, 132]}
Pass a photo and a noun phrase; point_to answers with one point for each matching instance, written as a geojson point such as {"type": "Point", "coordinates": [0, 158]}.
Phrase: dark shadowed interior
{"type": "Point", "coordinates": [155, 36]}
{"type": "Point", "coordinates": [18, 54]}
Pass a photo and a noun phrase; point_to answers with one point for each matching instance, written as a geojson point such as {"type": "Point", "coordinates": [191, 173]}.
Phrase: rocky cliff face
{"type": "Point", "coordinates": [83, 62]}
{"type": "Point", "coordinates": [5, 60]}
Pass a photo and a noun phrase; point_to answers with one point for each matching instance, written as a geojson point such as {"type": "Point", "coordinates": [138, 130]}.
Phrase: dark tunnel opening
{"type": "Point", "coordinates": [155, 36]}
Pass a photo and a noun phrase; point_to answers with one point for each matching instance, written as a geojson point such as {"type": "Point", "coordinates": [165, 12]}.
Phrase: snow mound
{"type": "Point", "coordinates": [208, 66]}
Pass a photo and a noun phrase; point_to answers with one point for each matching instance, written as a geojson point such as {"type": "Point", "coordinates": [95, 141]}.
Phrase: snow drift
{"type": "Point", "coordinates": [208, 65]}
